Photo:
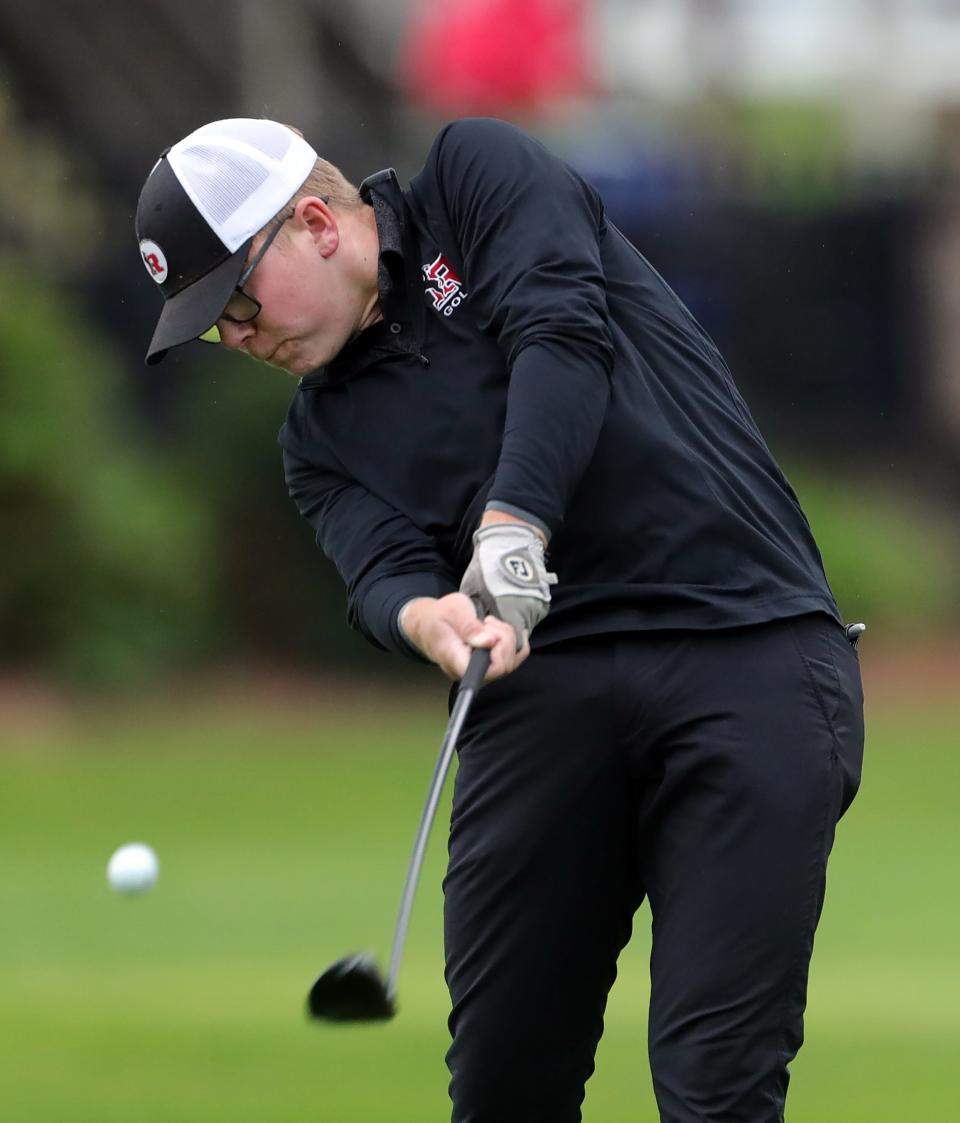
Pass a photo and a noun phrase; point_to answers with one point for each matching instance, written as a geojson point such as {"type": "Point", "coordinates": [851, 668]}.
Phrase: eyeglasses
{"type": "Point", "coordinates": [241, 308]}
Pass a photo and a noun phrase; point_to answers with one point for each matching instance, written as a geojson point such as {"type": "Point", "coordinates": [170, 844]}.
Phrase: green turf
{"type": "Point", "coordinates": [283, 834]}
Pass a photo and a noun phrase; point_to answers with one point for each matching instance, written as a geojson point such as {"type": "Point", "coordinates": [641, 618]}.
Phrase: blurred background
{"type": "Point", "coordinates": [174, 658]}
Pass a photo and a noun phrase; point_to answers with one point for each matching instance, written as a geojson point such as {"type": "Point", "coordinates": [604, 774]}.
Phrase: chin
{"type": "Point", "coordinates": [285, 358]}
{"type": "Point", "coordinates": [297, 366]}
{"type": "Point", "coordinates": [299, 356]}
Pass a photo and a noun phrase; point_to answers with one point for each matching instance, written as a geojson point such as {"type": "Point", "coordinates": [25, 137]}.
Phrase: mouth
{"type": "Point", "coordinates": [266, 356]}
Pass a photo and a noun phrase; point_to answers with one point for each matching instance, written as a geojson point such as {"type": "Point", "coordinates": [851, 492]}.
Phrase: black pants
{"type": "Point", "coordinates": [705, 771]}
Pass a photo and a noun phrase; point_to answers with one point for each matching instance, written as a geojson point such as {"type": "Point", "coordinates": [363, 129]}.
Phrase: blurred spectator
{"type": "Point", "coordinates": [497, 57]}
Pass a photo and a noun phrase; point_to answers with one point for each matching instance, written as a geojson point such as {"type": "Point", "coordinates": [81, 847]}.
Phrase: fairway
{"type": "Point", "coordinates": [283, 828]}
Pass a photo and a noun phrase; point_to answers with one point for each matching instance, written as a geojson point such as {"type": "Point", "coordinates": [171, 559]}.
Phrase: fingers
{"type": "Point", "coordinates": [501, 640]}
{"type": "Point", "coordinates": [454, 630]}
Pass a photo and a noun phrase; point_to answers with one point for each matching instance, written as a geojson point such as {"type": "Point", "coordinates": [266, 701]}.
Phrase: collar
{"type": "Point", "coordinates": [389, 231]}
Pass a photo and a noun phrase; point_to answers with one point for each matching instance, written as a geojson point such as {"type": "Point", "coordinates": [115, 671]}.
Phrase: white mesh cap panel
{"type": "Point", "coordinates": [221, 181]}
{"type": "Point", "coordinates": [239, 173]}
{"type": "Point", "coordinates": [271, 138]}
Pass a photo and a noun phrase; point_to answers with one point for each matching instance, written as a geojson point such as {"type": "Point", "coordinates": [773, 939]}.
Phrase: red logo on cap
{"type": "Point", "coordinates": [155, 260]}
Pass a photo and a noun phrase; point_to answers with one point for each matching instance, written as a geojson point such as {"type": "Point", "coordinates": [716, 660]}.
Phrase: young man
{"type": "Point", "coordinates": [508, 431]}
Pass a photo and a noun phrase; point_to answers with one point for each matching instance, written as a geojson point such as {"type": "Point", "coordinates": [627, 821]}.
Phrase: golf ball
{"type": "Point", "coordinates": [133, 868]}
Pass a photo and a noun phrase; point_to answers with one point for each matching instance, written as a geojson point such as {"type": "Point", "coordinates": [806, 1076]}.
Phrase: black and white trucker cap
{"type": "Point", "coordinates": [200, 208]}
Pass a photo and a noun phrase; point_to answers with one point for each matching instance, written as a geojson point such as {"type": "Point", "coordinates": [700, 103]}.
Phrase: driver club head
{"type": "Point", "coordinates": [351, 990]}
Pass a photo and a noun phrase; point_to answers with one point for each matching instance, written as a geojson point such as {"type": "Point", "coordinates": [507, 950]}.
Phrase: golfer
{"type": "Point", "coordinates": [508, 432]}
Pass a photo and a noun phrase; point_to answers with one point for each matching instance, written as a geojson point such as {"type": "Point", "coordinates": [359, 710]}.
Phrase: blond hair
{"type": "Point", "coordinates": [325, 180]}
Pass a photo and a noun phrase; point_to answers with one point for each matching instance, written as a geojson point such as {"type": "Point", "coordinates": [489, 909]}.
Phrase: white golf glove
{"type": "Point", "coordinates": [507, 576]}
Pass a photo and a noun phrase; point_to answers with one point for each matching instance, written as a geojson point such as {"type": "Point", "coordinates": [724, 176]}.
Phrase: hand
{"type": "Point", "coordinates": [447, 630]}
{"type": "Point", "coordinates": [507, 576]}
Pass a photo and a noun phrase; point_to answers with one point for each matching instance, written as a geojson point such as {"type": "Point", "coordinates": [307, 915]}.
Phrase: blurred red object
{"type": "Point", "coordinates": [493, 56]}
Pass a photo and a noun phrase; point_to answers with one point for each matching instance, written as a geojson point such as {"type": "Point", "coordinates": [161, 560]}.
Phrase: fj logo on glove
{"type": "Point", "coordinates": [518, 568]}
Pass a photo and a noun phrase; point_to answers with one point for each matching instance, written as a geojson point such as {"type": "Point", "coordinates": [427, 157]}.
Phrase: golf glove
{"type": "Point", "coordinates": [507, 576]}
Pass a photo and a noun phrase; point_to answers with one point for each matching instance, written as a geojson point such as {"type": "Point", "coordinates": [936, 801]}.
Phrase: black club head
{"type": "Point", "coordinates": [351, 990]}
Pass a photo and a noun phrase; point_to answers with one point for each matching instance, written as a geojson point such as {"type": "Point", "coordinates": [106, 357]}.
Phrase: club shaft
{"type": "Point", "coordinates": [479, 661]}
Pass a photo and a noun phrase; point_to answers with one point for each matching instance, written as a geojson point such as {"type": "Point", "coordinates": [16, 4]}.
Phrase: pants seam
{"type": "Point", "coordinates": [817, 861]}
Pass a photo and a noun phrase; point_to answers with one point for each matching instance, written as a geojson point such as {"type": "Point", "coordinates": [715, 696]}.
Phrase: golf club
{"type": "Point", "coordinates": [352, 989]}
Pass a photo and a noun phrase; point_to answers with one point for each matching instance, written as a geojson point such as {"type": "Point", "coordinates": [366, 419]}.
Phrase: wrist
{"type": "Point", "coordinates": [491, 517]}
{"type": "Point", "coordinates": [408, 619]}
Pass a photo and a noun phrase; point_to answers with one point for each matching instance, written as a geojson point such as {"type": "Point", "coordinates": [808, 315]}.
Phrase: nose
{"type": "Point", "coordinates": [234, 335]}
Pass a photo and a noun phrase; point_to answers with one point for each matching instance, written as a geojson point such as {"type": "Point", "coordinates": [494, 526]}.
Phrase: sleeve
{"type": "Point", "coordinates": [383, 558]}
{"type": "Point", "coordinates": [529, 232]}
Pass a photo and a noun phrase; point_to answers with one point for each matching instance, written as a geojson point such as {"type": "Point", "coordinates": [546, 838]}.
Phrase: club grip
{"type": "Point", "coordinates": [476, 669]}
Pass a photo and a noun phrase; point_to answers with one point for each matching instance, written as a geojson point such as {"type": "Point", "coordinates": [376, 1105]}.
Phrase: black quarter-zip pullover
{"type": "Point", "coordinates": [530, 358]}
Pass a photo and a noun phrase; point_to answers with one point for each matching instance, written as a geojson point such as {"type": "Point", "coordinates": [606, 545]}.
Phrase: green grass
{"type": "Point", "coordinates": [283, 833]}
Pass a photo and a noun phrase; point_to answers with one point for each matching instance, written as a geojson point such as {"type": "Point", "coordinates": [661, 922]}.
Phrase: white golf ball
{"type": "Point", "coordinates": [133, 868]}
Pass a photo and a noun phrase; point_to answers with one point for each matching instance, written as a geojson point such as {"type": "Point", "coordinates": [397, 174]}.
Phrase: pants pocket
{"type": "Point", "coordinates": [833, 671]}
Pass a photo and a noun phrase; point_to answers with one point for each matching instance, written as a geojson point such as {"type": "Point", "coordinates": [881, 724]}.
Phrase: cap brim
{"type": "Point", "coordinates": [190, 312]}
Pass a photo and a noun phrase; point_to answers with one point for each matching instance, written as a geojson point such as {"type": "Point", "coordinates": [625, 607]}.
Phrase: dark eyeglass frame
{"type": "Point", "coordinates": [248, 272]}
{"type": "Point", "coordinates": [212, 335]}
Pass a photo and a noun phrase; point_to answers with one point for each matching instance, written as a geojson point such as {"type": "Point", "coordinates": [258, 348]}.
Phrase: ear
{"type": "Point", "coordinates": [315, 216]}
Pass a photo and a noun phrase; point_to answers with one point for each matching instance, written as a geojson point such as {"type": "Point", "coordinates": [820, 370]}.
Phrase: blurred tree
{"type": "Point", "coordinates": [279, 599]}
{"type": "Point", "coordinates": [891, 560]}
{"type": "Point", "coordinates": [106, 563]}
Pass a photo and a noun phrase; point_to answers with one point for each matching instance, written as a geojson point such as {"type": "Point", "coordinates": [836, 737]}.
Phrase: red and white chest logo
{"type": "Point", "coordinates": [445, 288]}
